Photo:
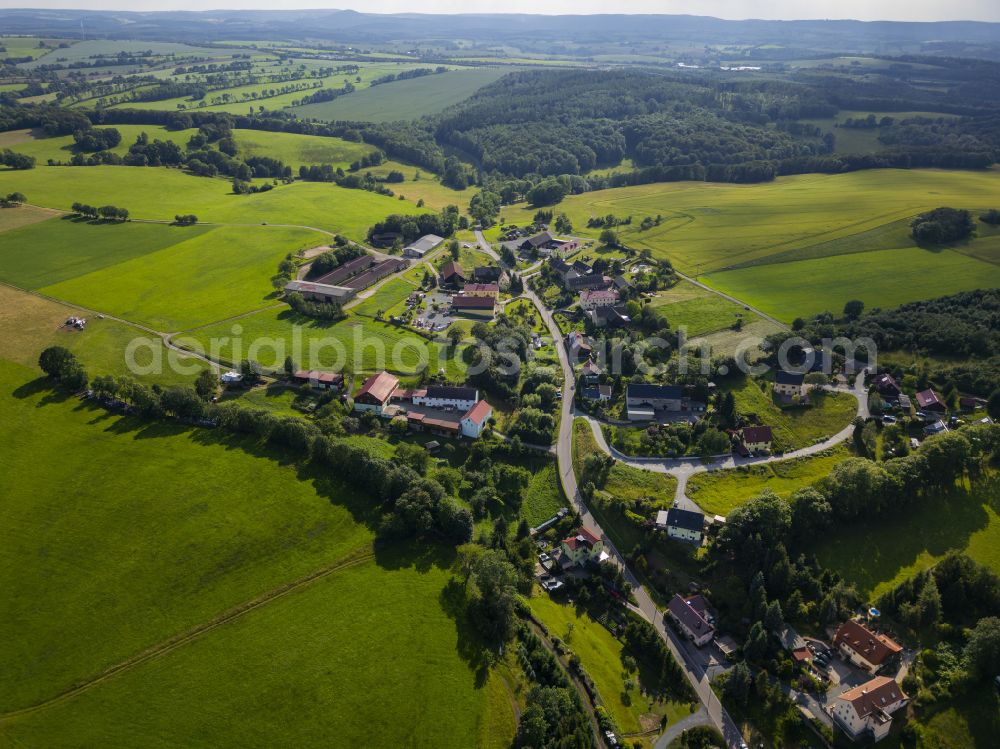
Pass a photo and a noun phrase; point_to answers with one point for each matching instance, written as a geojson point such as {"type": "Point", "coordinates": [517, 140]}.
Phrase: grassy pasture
{"type": "Point", "coordinates": [698, 310]}
{"type": "Point", "coordinates": [87, 49]}
{"type": "Point", "coordinates": [721, 492]}
{"type": "Point", "coordinates": [59, 249]}
{"type": "Point", "coordinates": [404, 100]}
{"type": "Point", "coordinates": [881, 278]}
{"type": "Point", "coordinates": [863, 140]}
{"type": "Point", "coordinates": [544, 495]}
{"type": "Point", "coordinates": [709, 226]}
{"type": "Point", "coordinates": [624, 483]}
{"type": "Point", "coordinates": [60, 148]}
{"type": "Point", "coordinates": [729, 342]}
{"type": "Point", "coordinates": [164, 193]}
{"type": "Point", "coordinates": [601, 656]}
{"type": "Point", "coordinates": [201, 523]}
{"type": "Point", "coordinates": [428, 188]}
{"type": "Point", "coordinates": [795, 428]}
{"type": "Point", "coordinates": [358, 344]}
{"type": "Point", "coordinates": [209, 276]}
{"type": "Point", "coordinates": [29, 324]}
{"type": "Point", "coordinates": [878, 556]}
{"type": "Point", "coordinates": [295, 149]}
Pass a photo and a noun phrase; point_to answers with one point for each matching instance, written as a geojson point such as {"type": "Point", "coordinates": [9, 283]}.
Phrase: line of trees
{"type": "Point", "coordinates": [106, 212]}
{"type": "Point", "coordinates": [14, 160]}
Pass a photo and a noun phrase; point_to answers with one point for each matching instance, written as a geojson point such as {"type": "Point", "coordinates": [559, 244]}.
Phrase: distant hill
{"type": "Point", "coordinates": [888, 37]}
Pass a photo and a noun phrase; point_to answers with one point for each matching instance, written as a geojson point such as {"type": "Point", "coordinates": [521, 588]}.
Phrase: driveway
{"type": "Point", "coordinates": [697, 718]}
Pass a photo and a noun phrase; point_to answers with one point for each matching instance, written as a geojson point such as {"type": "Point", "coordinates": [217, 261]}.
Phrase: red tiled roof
{"type": "Point", "coordinates": [451, 268]}
{"type": "Point", "coordinates": [478, 413]}
{"type": "Point", "coordinates": [874, 648]}
{"type": "Point", "coordinates": [379, 386]}
{"type": "Point", "coordinates": [927, 398]}
{"type": "Point", "coordinates": [753, 435]}
{"type": "Point", "coordinates": [874, 695]}
{"type": "Point", "coordinates": [481, 287]}
{"type": "Point", "coordinates": [473, 302]}
{"type": "Point", "coordinates": [589, 535]}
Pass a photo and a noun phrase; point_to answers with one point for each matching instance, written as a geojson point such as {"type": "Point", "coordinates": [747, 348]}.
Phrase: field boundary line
{"type": "Point", "coordinates": [184, 638]}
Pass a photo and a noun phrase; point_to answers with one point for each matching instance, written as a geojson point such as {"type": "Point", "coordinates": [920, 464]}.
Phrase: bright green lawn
{"type": "Point", "coordinates": [210, 276]}
{"type": "Point", "coordinates": [60, 148]}
{"type": "Point", "coordinates": [720, 492]}
{"type": "Point", "coordinates": [794, 428]}
{"type": "Point", "coordinates": [624, 483]}
{"type": "Point", "coordinates": [428, 188]}
{"type": "Point", "coordinates": [28, 324]}
{"type": "Point", "coordinates": [601, 656]}
{"type": "Point", "coordinates": [544, 495]}
{"type": "Point", "coordinates": [61, 248]}
{"type": "Point", "coordinates": [404, 100]}
{"type": "Point", "coordinates": [884, 278]}
{"type": "Point", "coordinates": [166, 528]}
{"type": "Point", "coordinates": [699, 311]}
{"type": "Point", "coordinates": [295, 149]}
{"type": "Point", "coordinates": [155, 193]}
{"type": "Point", "coordinates": [877, 556]}
{"type": "Point", "coordinates": [118, 534]}
{"type": "Point", "coordinates": [367, 655]}
{"type": "Point", "coordinates": [710, 226]}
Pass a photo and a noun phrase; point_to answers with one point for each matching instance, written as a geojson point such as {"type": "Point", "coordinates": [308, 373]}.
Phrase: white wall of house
{"type": "Point", "coordinates": [683, 534]}
{"type": "Point", "coordinates": [460, 404]}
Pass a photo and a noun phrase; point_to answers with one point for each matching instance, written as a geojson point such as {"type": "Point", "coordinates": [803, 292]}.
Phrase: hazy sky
{"type": "Point", "coordinates": [867, 10]}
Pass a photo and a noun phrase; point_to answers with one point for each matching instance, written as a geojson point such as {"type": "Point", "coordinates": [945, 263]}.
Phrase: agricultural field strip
{"type": "Point", "coordinates": [178, 641]}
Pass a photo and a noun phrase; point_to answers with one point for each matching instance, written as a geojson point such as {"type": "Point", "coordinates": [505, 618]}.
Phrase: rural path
{"type": "Point", "coordinates": [645, 607]}
{"type": "Point", "coordinates": [697, 718]}
{"type": "Point", "coordinates": [196, 632]}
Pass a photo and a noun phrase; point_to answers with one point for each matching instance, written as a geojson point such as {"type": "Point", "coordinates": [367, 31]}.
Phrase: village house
{"type": "Point", "coordinates": [579, 346]}
{"type": "Point", "coordinates": [320, 380]}
{"type": "Point", "coordinates": [422, 246]}
{"type": "Point", "coordinates": [592, 281]}
{"type": "Point", "coordinates": [692, 617]}
{"type": "Point", "coordinates": [756, 439]}
{"type": "Point", "coordinates": [545, 244]}
{"type": "Point", "coordinates": [376, 393]}
{"type": "Point", "coordinates": [452, 274]}
{"type": "Point", "coordinates": [481, 289]}
{"type": "Point", "coordinates": [483, 307]}
{"type": "Point", "coordinates": [928, 400]}
{"type": "Point", "coordinates": [459, 398]}
{"type": "Point", "coordinates": [642, 400]}
{"type": "Point", "coordinates": [865, 649]}
{"type": "Point", "coordinates": [866, 710]}
{"type": "Point", "coordinates": [609, 317]}
{"type": "Point", "coordinates": [683, 525]}
{"type": "Point", "coordinates": [491, 274]}
{"type": "Point", "coordinates": [886, 386]}
{"type": "Point", "coordinates": [591, 372]}
{"type": "Point", "coordinates": [475, 419]}
{"type": "Point", "coordinates": [598, 393]}
{"type": "Point", "coordinates": [585, 546]}
{"type": "Point", "coordinates": [788, 384]}
{"type": "Point", "coordinates": [621, 283]}
{"type": "Point", "coordinates": [592, 299]}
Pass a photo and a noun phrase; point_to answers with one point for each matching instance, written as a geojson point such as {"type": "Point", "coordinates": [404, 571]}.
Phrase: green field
{"type": "Point", "coordinates": [61, 248]}
{"type": "Point", "coordinates": [710, 226]}
{"type": "Point", "coordinates": [863, 140]}
{"type": "Point", "coordinates": [295, 149]}
{"type": "Point", "coordinates": [84, 50]}
{"type": "Point", "coordinates": [879, 556]}
{"type": "Point", "coordinates": [720, 492]}
{"type": "Point", "coordinates": [60, 148]}
{"type": "Point", "coordinates": [884, 278]}
{"type": "Point", "coordinates": [165, 529]}
{"type": "Point", "coordinates": [544, 495]}
{"type": "Point", "coordinates": [358, 344]}
{"type": "Point", "coordinates": [404, 100]}
{"type": "Point", "coordinates": [794, 427]}
{"type": "Point", "coordinates": [150, 193]}
{"type": "Point", "coordinates": [625, 483]}
{"type": "Point", "coordinates": [601, 656]}
{"type": "Point", "coordinates": [699, 311]}
{"type": "Point", "coordinates": [29, 324]}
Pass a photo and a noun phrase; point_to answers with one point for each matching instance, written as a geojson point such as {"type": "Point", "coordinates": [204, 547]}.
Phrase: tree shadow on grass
{"type": "Point", "coordinates": [871, 554]}
{"type": "Point", "coordinates": [470, 647]}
